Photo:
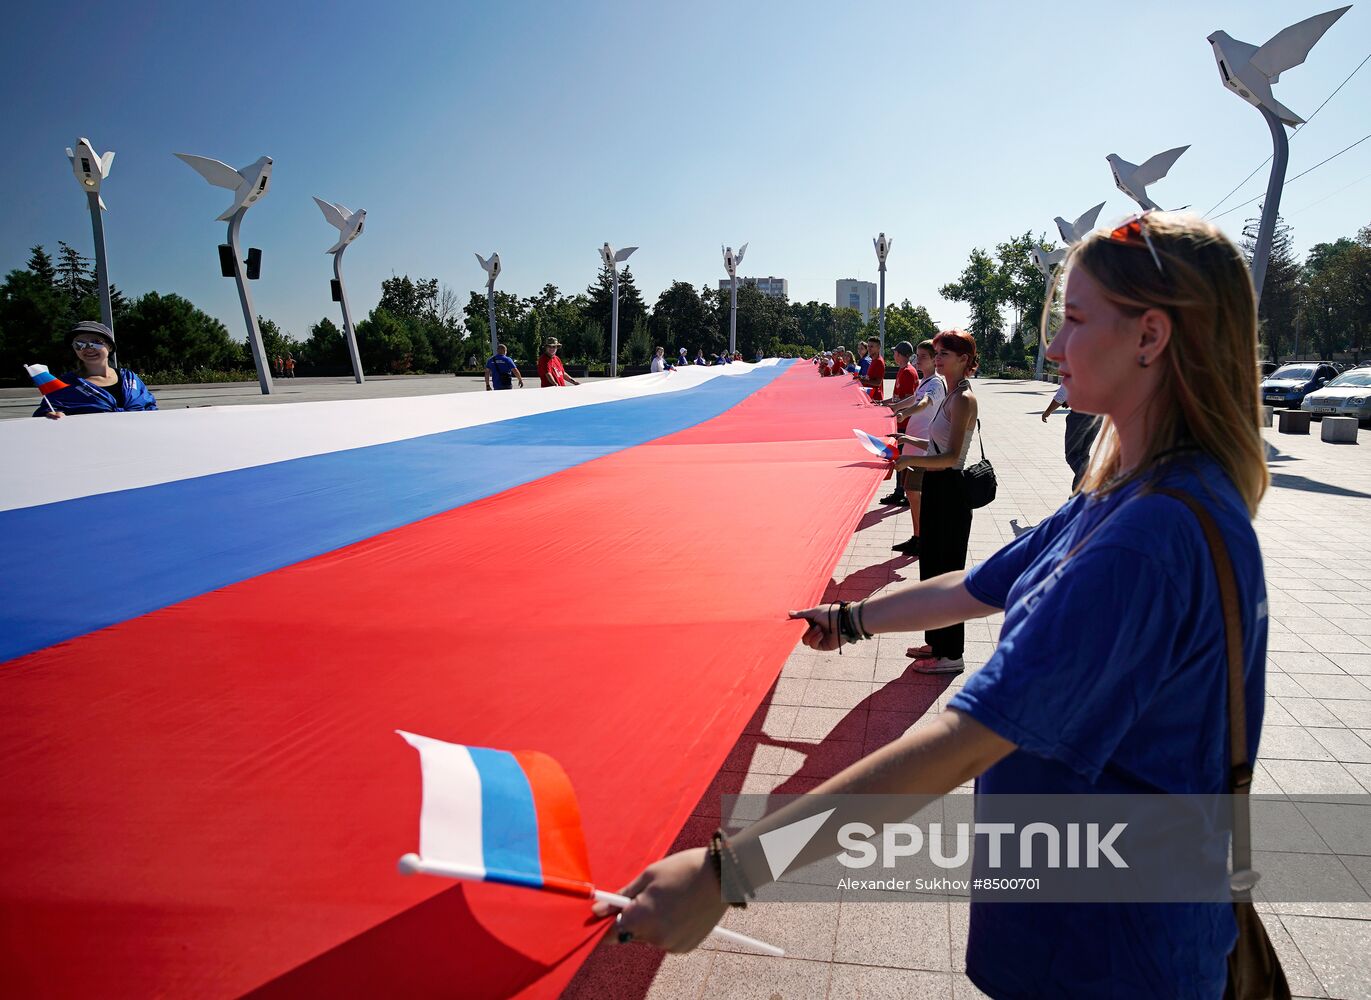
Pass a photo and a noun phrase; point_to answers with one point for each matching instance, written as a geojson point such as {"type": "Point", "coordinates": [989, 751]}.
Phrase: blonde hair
{"type": "Point", "coordinates": [1208, 395]}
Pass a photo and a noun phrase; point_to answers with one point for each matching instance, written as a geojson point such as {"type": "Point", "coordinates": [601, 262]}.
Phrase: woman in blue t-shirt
{"type": "Point", "coordinates": [1158, 335]}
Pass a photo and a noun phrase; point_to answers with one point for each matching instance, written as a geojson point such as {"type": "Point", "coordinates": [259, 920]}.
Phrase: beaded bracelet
{"type": "Point", "coordinates": [733, 884]}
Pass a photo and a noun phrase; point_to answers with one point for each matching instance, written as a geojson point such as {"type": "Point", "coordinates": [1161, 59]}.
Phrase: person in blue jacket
{"type": "Point", "coordinates": [96, 385]}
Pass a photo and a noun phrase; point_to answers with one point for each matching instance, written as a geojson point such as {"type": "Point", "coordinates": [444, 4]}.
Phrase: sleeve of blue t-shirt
{"type": "Point", "coordinates": [1084, 658]}
{"type": "Point", "coordinates": [990, 581]}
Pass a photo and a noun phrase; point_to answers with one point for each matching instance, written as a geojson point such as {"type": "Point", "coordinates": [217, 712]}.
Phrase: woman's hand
{"type": "Point", "coordinates": [54, 414]}
{"type": "Point", "coordinates": [676, 903]}
{"type": "Point", "coordinates": [906, 462]}
{"type": "Point", "coordinates": [823, 627]}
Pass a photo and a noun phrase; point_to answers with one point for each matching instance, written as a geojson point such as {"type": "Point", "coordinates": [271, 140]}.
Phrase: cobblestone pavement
{"type": "Point", "coordinates": [825, 711]}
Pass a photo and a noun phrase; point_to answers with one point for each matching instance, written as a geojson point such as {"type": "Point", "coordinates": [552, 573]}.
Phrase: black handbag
{"type": "Point", "coordinates": [979, 479]}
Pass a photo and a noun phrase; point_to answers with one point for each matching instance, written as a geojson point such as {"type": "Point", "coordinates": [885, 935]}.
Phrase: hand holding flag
{"type": "Point", "coordinates": [512, 818]}
{"type": "Point", "coordinates": [882, 448]}
{"type": "Point", "coordinates": [47, 384]}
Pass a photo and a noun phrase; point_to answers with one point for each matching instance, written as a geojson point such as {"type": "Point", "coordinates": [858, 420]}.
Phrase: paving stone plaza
{"type": "Point", "coordinates": [825, 711]}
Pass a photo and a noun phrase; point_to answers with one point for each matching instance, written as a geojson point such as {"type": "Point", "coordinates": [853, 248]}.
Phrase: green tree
{"type": "Point", "coordinates": [908, 322]}
{"type": "Point", "coordinates": [509, 314]}
{"type": "Point", "coordinates": [1335, 296]}
{"type": "Point", "coordinates": [814, 323]}
{"type": "Point", "coordinates": [588, 342]}
{"type": "Point", "coordinates": [384, 343]}
{"type": "Point", "coordinates": [981, 287]}
{"type": "Point", "coordinates": [638, 347]}
{"type": "Point", "coordinates": [168, 333]}
{"type": "Point", "coordinates": [34, 319]}
{"type": "Point", "coordinates": [275, 342]}
{"type": "Point", "coordinates": [681, 319]}
{"type": "Point", "coordinates": [600, 297]}
{"type": "Point", "coordinates": [75, 275]}
{"type": "Point", "coordinates": [848, 328]}
{"type": "Point", "coordinates": [326, 350]}
{"type": "Point", "coordinates": [1025, 288]}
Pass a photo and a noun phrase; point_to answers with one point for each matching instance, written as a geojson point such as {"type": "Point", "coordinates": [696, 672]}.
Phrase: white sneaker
{"type": "Point", "coordinates": [941, 665]}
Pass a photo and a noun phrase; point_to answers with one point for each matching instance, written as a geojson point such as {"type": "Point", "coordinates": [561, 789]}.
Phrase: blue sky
{"type": "Point", "coordinates": [543, 129]}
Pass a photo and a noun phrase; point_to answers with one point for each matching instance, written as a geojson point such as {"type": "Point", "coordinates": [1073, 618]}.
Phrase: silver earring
{"type": "Point", "coordinates": [1142, 361]}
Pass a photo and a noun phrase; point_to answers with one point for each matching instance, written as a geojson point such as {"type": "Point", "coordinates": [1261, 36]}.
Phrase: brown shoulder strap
{"type": "Point", "coordinates": [1240, 768]}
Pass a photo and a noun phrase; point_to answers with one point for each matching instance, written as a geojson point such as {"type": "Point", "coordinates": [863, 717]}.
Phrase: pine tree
{"type": "Point", "coordinates": [75, 274]}
{"type": "Point", "coordinates": [1280, 289]}
{"type": "Point", "coordinates": [40, 263]}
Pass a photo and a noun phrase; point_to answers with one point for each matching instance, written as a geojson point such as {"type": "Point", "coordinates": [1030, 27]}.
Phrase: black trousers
{"type": "Point", "coordinates": [944, 532]}
{"type": "Point", "coordinates": [1081, 429]}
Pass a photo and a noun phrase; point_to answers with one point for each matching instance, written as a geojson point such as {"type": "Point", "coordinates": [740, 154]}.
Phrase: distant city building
{"type": "Point", "coordinates": [859, 295]}
{"type": "Point", "coordinates": [777, 288]}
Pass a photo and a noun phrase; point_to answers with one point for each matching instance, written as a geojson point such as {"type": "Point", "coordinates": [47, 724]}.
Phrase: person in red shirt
{"type": "Point", "coordinates": [906, 382]}
{"type": "Point", "coordinates": [875, 374]}
{"type": "Point", "coordinates": [550, 369]}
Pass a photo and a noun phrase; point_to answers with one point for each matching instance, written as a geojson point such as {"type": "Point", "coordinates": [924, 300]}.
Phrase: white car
{"type": "Point", "coordinates": [1348, 395]}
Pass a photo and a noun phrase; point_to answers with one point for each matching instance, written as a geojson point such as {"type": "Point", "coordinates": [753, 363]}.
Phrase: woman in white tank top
{"type": "Point", "coordinates": [945, 520]}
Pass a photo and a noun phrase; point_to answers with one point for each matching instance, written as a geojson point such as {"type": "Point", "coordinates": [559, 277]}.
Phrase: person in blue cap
{"type": "Point", "coordinates": [96, 385]}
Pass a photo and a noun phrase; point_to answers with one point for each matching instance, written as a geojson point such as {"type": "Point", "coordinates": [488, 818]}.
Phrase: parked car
{"type": "Point", "coordinates": [1348, 395]}
{"type": "Point", "coordinates": [1288, 385]}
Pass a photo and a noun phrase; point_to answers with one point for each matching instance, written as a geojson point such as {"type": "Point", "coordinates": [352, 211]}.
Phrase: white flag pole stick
{"type": "Point", "coordinates": [411, 864]}
{"type": "Point", "coordinates": [722, 933]}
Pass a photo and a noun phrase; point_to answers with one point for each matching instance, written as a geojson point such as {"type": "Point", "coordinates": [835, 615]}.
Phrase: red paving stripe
{"type": "Point", "coordinates": [211, 797]}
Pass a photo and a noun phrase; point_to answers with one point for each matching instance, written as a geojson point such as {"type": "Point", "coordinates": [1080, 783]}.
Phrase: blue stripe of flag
{"type": "Point", "coordinates": [173, 541]}
{"type": "Point", "coordinates": [509, 820]}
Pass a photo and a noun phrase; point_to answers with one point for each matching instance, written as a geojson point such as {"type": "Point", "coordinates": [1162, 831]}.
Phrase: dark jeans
{"type": "Point", "coordinates": [1081, 429]}
{"type": "Point", "coordinates": [944, 531]}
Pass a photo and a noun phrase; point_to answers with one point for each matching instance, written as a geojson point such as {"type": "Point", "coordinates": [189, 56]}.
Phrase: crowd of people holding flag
{"type": "Point", "coordinates": [1150, 572]}
{"type": "Point", "coordinates": [1131, 658]}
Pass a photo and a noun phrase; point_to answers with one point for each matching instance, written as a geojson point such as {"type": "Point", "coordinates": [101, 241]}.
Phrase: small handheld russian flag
{"type": "Point", "coordinates": [512, 818]}
{"type": "Point", "coordinates": [507, 817]}
{"type": "Point", "coordinates": [45, 380]}
{"type": "Point", "coordinates": [883, 448]}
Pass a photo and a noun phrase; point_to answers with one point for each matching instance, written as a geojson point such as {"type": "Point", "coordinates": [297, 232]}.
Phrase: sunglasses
{"type": "Point", "coordinates": [88, 345]}
{"type": "Point", "coordinates": [1134, 233]}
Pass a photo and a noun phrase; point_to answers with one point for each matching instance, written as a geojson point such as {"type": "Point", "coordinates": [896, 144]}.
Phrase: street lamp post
{"type": "Point", "coordinates": [349, 226]}
{"type": "Point", "coordinates": [1249, 72]}
{"type": "Point", "coordinates": [731, 262]}
{"type": "Point", "coordinates": [1046, 262]}
{"type": "Point", "coordinates": [612, 260]}
{"type": "Point", "coordinates": [90, 170]}
{"type": "Point", "coordinates": [248, 185]}
{"type": "Point", "coordinates": [491, 265]}
{"type": "Point", "coordinates": [882, 251]}
{"type": "Point", "coordinates": [1071, 233]}
{"type": "Point", "coordinates": [1134, 179]}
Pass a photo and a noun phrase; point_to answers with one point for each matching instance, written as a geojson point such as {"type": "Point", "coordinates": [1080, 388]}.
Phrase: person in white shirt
{"type": "Point", "coordinates": [916, 413]}
{"type": "Point", "coordinates": [659, 360]}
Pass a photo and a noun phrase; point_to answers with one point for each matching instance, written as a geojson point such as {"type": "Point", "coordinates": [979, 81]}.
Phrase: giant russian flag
{"type": "Point", "coordinates": [201, 788]}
